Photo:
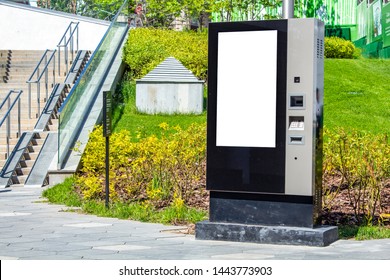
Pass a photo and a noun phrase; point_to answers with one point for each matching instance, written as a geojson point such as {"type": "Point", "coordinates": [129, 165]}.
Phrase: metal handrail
{"type": "Point", "coordinates": [66, 43]}
{"type": "Point", "coordinates": [39, 75]}
{"type": "Point", "coordinates": [7, 115]}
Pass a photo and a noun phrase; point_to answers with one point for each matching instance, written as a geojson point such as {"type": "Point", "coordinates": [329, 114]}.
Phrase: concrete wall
{"type": "Point", "coordinates": [169, 98]}
{"type": "Point", "coordinates": [28, 28]}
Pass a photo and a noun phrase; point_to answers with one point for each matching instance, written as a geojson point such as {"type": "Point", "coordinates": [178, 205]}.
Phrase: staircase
{"type": "Point", "coordinates": [37, 132]}
{"type": "Point", "coordinates": [29, 155]}
{"type": "Point", "coordinates": [17, 67]}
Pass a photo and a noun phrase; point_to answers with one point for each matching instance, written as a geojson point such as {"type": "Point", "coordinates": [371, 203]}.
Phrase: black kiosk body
{"type": "Point", "coordinates": [264, 132]}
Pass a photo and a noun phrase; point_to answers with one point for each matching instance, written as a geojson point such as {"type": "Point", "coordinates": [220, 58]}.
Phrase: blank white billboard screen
{"type": "Point", "coordinates": [246, 89]}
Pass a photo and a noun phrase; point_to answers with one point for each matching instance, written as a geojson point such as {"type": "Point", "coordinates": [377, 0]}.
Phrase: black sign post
{"type": "Point", "coordinates": [107, 109]}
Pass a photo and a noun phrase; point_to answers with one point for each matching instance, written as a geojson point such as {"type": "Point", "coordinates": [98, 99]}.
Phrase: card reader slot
{"type": "Point", "coordinates": [297, 101]}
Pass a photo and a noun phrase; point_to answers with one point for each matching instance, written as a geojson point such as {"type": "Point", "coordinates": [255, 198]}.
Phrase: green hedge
{"type": "Point", "coordinates": [147, 47]}
{"type": "Point", "coordinates": [340, 48]}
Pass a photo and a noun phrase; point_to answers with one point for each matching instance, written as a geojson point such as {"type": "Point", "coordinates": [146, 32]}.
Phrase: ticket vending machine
{"type": "Point", "coordinates": [264, 132]}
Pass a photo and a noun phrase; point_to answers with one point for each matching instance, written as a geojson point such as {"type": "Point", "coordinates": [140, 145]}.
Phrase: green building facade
{"type": "Point", "coordinates": [365, 22]}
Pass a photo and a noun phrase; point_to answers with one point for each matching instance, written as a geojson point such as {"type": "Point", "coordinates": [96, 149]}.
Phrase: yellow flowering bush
{"type": "Point", "coordinates": [163, 171]}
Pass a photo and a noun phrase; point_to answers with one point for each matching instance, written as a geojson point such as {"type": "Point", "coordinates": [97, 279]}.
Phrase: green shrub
{"type": "Point", "coordinates": [64, 193]}
{"type": "Point", "coordinates": [157, 171]}
{"type": "Point", "coordinates": [340, 48]}
{"type": "Point", "coordinates": [363, 163]}
{"type": "Point", "coordinates": [147, 47]}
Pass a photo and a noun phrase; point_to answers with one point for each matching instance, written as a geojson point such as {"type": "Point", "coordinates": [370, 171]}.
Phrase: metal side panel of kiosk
{"type": "Point", "coordinates": [264, 142]}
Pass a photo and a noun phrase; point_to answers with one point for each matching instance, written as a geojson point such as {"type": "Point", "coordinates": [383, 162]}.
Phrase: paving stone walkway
{"type": "Point", "coordinates": [35, 230]}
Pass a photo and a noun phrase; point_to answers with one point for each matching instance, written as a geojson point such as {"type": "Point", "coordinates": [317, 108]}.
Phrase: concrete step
{"type": "Point", "coordinates": [18, 85]}
{"type": "Point", "coordinates": [27, 156]}
{"type": "Point", "coordinates": [12, 141]}
{"type": "Point", "coordinates": [39, 141]}
{"type": "Point", "coordinates": [19, 179]}
{"type": "Point", "coordinates": [22, 171]}
{"type": "Point", "coordinates": [32, 152]}
{"type": "Point", "coordinates": [4, 157]}
{"type": "Point", "coordinates": [26, 163]}
{"type": "Point", "coordinates": [26, 64]}
{"type": "Point", "coordinates": [31, 156]}
{"type": "Point", "coordinates": [17, 185]}
{"type": "Point", "coordinates": [28, 144]}
{"type": "Point", "coordinates": [23, 52]}
{"type": "Point", "coordinates": [20, 79]}
{"type": "Point", "coordinates": [32, 149]}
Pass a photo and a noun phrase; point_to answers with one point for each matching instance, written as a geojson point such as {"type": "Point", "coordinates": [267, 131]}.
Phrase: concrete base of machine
{"type": "Point", "coordinates": [319, 236]}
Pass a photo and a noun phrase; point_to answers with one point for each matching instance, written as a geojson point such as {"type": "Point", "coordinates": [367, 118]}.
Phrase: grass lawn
{"type": "Point", "coordinates": [357, 95]}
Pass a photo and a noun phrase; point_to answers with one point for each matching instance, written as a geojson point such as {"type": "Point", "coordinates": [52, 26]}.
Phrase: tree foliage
{"type": "Point", "coordinates": [229, 10]}
{"type": "Point", "coordinates": [163, 12]}
{"type": "Point", "coordinates": [101, 9]}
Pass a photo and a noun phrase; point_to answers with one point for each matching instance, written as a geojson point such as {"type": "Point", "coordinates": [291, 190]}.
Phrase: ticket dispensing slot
{"type": "Point", "coordinates": [296, 123]}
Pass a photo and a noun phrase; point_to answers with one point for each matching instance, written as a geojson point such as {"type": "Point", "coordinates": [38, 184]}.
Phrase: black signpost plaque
{"type": "Point", "coordinates": [107, 112]}
{"type": "Point", "coordinates": [107, 128]}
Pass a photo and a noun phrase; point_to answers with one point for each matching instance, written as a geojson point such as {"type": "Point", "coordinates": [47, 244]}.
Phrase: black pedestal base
{"type": "Point", "coordinates": [320, 236]}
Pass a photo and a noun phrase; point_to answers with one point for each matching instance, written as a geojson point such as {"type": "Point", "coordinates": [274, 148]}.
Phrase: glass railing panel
{"type": "Point", "coordinates": [80, 100]}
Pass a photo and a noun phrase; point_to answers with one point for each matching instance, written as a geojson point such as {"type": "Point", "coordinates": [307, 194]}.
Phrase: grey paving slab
{"type": "Point", "coordinates": [88, 236]}
{"type": "Point", "coordinates": [29, 254]}
{"type": "Point", "coordinates": [118, 257]}
{"type": "Point", "coordinates": [158, 243]}
{"type": "Point", "coordinates": [87, 254]}
{"type": "Point", "coordinates": [49, 232]}
{"type": "Point", "coordinates": [98, 243]}
{"type": "Point", "coordinates": [7, 258]}
{"type": "Point", "coordinates": [244, 256]}
{"type": "Point", "coordinates": [20, 239]}
{"type": "Point", "coordinates": [52, 257]}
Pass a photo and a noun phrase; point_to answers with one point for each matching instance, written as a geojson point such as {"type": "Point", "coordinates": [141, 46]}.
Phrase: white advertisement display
{"type": "Point", "coordinates": [246, 89]}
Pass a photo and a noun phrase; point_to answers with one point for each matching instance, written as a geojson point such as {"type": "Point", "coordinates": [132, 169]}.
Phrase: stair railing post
{"type": "Point", "coordinates": [54, 71]}
{"type": "Point", "coordinates": [38, 82]}
{"type": "Point", "coordinates": [39, 99]}
{"type": "Point", "coordinates": [71, 41]}
{"type": "Point", "coordinates": [46, 79]}
{"type": "Point", "coordinates": [77, 38]}
{"type": "Point", "coordinates": [59, 59]}
{"type": "Point", "coordinates": [19, 110]}
{"type": "Point", "coordinates": [8, 126]}
{"type": "Point", "coordinates": [29, 100]}
{"type": "Point", "coordinates": [66, 56]}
